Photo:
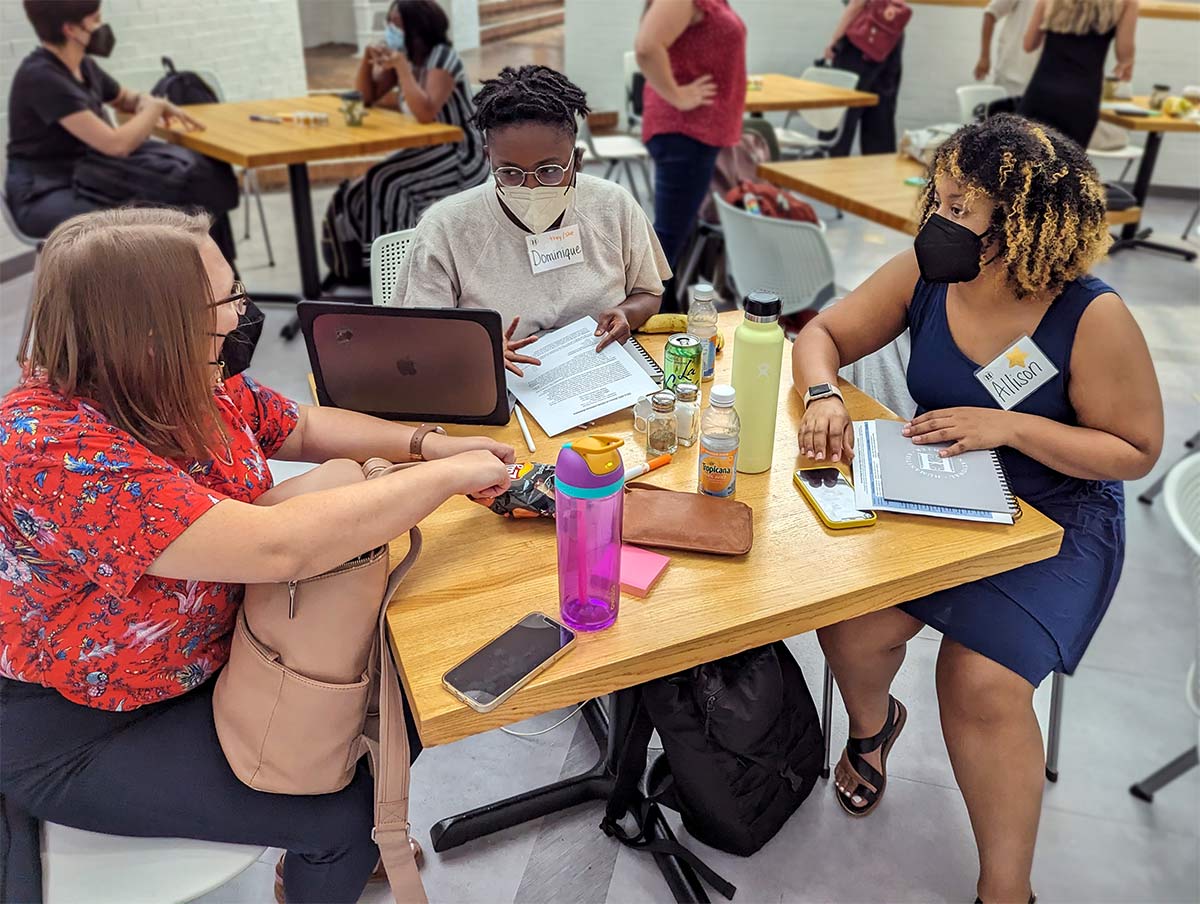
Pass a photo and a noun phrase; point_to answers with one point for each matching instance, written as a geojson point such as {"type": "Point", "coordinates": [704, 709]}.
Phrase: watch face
{"type": "Point", "coordinates": [821, 389]}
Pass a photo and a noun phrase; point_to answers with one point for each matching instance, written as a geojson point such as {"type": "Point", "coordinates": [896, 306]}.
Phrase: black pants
{"type": "Point", "coordinates": [878, 122]}
{"type": "Point", "coordinates": [159, 771]}
{"type": "Point", "coordinates": [41, 199]}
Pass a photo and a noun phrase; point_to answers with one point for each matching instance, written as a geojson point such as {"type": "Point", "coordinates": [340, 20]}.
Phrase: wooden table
{"type": "Point", "coordinates": [871, 186]}
{"type": "Point", "coordinates": [479, 574]}
{"type": "Point", "coordinates": [1154, 126]}
{"type": "Point", "coordinates": [785, 92]}
{"type": "Point", "coordinates": [1148, 9]}
{"type": "Point", "coordinates": [231, 136]}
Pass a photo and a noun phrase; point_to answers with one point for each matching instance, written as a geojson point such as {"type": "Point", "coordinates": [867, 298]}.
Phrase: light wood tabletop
{"type": "Point", "coordinates": [1148, 9]}
{"type": "Point", "coordinates": [478, 574]}
{"type": "Point", "coordinates": [871, 186]}
{"type": "Point", "coordinates": [1156, 122]}
{"type": "Point", "coordinates": [231, 135]}
{"type": "Point", "coordinates": [786, 92]}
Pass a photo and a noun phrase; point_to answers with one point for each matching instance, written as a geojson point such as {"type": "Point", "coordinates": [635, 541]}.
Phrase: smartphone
{"type": "Point", "coordinates": [832, 496]}
{"type": "Point", "coordinates": [489, 676]}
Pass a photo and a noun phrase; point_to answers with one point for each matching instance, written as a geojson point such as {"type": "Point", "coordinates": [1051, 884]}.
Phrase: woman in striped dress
{"type": "Point", "coordinates": [417, 66]}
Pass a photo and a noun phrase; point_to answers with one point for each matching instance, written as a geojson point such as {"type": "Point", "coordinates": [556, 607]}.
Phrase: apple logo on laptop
{"type": "Point", "coordinates": [406, 367]}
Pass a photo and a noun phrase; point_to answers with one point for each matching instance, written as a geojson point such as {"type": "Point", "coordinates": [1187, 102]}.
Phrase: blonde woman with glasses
{"type": "Point", "coordinates": [1074, 36]}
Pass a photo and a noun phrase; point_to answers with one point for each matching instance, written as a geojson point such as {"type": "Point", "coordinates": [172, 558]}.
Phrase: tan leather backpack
{"type": "Point", "coordinates": [311, 685]}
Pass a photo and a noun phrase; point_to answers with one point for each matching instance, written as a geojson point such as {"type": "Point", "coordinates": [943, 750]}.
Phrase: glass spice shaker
{"type": "Point", "coordinates": [687, 413]}
{"type": "Point", "coordinates": [641, 410]}
{"type": "Point", "coordinates": [662, 425]}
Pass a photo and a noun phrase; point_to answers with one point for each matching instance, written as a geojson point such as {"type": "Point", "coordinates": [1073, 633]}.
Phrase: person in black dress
{"type": "Point", "coordinates": [1074, 36]}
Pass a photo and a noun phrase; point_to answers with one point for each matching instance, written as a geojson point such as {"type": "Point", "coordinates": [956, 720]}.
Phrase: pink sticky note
{"type": "Point", "coordinates": [640, 569]}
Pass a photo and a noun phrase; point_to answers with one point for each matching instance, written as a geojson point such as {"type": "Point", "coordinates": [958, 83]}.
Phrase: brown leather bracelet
{"type": "Point", "coordinates": [418, 439]}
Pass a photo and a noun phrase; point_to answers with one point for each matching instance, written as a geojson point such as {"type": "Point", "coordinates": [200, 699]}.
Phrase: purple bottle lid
{"type": "Point", "coordinates": [590, 465]}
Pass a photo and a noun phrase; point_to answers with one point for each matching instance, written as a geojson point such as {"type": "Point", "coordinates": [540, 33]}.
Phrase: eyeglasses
{"type": "Point", "coordinates": [513, 176]}
{"type": "Point", "coordinates": [238, 298]}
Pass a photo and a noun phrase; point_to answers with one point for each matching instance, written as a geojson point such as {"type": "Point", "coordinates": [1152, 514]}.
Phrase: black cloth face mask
{"type": "Point", "coordinates": [238, 346]}
{"type": "Point", "coordinates": [102, 42]}
{"type": "Point", "coordinates": [948, 252]}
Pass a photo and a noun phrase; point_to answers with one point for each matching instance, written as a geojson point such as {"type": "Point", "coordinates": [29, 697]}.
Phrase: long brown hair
{"type": "Point", "coordinates": [123, 316]}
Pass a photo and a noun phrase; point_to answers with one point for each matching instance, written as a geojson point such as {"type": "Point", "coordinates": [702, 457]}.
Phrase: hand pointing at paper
{"type": "Point", "coordinates": [614, 327]}
{"type": "Point", "coordinates": [511, 358]}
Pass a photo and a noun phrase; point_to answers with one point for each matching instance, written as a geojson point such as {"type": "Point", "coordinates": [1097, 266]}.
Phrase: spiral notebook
{"type": "Point", "coordinates": [644, 358]}
{"type": "Point", "coordinates": [892, 473]}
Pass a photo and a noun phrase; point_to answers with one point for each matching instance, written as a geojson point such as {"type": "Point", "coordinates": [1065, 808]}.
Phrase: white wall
{"type": "Point", "coordinates": [941, 47]}
{"type": "Point", "coordinates": [252, 45]}
{"type": "Point", "coordinates": [327, 22]}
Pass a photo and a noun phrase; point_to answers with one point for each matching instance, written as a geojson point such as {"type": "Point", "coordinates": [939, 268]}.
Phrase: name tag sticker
{"type": "Point", "coordinates": [1018, 372]}
{"type": "Point", "coordinates": [554, 249]}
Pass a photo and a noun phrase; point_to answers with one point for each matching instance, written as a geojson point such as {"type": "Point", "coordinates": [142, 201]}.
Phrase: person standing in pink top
{"type": "Point", "coordinates": [693, 54]}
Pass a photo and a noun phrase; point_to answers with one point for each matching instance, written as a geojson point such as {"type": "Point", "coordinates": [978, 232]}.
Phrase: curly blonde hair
{"type": "Point", "coordinates": [1048, 221]}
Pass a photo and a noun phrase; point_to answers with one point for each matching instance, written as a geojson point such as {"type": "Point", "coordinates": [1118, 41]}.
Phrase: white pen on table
{"type": "Point", "coordinates": [524, 427]}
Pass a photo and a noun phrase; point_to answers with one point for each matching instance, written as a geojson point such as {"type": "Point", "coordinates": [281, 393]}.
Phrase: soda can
{"type": "Point", "coordinates": [681, 361]}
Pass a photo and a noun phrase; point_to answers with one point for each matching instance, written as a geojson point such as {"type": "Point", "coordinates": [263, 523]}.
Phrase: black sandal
{"type": "Point", "coordinates": [1032, 899]}
{"type": "Point", "coordinates": [856, 747]}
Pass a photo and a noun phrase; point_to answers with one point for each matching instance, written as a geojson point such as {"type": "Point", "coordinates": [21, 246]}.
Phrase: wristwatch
{"type": "Point", "coordinates": [820, 391]}
{"type": "Point", "coordinates": [418, 439]}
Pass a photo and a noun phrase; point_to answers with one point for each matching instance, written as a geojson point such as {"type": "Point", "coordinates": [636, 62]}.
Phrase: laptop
{"type": "Point", "coordinates": [435, 365]}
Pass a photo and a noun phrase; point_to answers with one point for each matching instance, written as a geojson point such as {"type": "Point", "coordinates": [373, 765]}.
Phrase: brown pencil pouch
{"type": "Point", "coordinates": [655, 516]}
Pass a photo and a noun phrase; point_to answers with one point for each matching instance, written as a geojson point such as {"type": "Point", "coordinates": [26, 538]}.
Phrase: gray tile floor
{"type": "Point", "coordinates": [1124, 710]}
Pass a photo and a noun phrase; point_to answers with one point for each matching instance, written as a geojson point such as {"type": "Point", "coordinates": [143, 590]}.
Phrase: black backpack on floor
{"type": "Point", "coordinates": [742, 749]}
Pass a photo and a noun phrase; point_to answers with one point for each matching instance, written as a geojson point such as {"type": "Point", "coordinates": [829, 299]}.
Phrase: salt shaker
{"type": "Point", "coordinates": [687, 413]}
{"type": "Point", "coordinates": [661, 425]}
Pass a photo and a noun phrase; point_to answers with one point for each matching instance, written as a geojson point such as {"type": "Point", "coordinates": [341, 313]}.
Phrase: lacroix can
{"type": "Point", "coordinates": [681, 361]}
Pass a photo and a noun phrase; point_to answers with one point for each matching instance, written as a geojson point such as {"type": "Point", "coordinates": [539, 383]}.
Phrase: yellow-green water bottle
{"type": "Point", "coordinates": [757, 364]}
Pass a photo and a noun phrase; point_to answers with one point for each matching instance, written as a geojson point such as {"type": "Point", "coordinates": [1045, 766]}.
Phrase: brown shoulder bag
{"type": "Point", "coordinates": [311, 685]}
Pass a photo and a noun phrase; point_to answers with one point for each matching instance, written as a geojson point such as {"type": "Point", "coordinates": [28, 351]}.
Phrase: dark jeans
{"type": "Point", "coordinates": [159, 771]}
{"type": "Point", "coordinates": [878, 122]}
{"type": "Point", "coordinates": [41, 198]}
{"type": "Point", "coordinates": [683, 173]}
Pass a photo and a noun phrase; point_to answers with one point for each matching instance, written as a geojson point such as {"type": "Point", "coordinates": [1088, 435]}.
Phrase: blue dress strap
{"type": "Point", "coordinates": [1056, 333]}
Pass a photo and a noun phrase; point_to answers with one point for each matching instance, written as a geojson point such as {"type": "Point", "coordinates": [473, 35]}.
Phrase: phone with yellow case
{"type": "Point", "coordinates": [832, 497]}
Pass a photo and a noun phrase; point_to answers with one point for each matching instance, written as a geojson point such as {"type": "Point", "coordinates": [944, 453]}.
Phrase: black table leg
{"type": "Point", "coordinates": [1132, 236]}
{"type": "Point", "coordinates": [609, 730]}
{"type": "Point", "coordinates": [306, 243]}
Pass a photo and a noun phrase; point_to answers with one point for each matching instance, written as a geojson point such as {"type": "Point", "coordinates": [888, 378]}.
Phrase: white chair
{"type": "Point", "coordinates": [787, 257]}
{"type": "Point", "coordinates": [617, 151]}
{"type": "Point", "coordinates": [387, 256]}
{"type": "Point", "coordinates": [1182, 492]}
{"type": "Point", "coordinates": [108, 869]}
{"type": "Point", "coordinates": [794, 143]}
{"type": "Point", "coordinates": [1130, 153]}
{"type": "Point", "coordinates": [973, 100]}
{"type": "Point", "coordinates": [145, 79]}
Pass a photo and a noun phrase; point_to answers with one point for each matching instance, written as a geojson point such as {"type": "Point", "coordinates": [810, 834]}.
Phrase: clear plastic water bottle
{"type": "Point", "coordinates": [702, 323]}
{"type": "Point", "coordinates": [720, 435]}
{"type": "Point", "coordinates": [589, 479]}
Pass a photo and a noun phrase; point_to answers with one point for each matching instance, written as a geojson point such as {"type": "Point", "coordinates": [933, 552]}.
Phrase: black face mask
{"type": "Point", "coordinates": [948, 252]}
{"type": "Point", "coordinates": [238, 347]}
{"type": "Point", "coordinates": [102, 42]}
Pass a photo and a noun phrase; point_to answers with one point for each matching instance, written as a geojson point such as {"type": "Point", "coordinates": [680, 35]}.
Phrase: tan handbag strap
{"type": "Point", "coordinates": [391, 763]}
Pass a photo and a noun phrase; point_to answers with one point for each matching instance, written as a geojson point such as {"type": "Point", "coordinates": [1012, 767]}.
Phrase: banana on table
{"type": "Point", "coordinates": [672, 323]}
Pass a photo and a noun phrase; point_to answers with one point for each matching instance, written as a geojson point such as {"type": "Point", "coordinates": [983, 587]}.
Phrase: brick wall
{"type": "Point", "coordinates": [941, 47]}
{"type": "Point", "coordinates": [253, 45]}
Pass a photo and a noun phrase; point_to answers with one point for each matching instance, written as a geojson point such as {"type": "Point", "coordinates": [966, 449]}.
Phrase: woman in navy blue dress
{"type": "Point", "coordinates": [1012, 220]}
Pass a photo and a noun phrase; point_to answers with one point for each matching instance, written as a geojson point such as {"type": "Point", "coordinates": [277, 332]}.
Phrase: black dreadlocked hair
{"type": "Point", "coordinates": [530, 94]}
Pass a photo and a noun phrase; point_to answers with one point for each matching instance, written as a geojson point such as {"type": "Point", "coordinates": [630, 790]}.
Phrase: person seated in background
{"type": "Point", "coordinates": [471, 250]}
{"type": "Point", "coordinates": [418, 70]}
{"type": "Point", "coordinates": [127, 529]}
{"type": "Point", "coordinates": [56, 114]}
{"type": "Point", "coordinates": [1012, 221]}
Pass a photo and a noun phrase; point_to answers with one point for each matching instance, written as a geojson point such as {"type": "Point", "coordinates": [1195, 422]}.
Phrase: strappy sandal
{"type": "Point", "coordinates": [1032, 899]}
{"type": "Point", "coordinates": [856, 747]}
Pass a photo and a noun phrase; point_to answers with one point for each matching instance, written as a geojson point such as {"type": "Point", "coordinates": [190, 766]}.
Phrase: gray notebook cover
{"type": "Point", "coordinates": [915, 473]}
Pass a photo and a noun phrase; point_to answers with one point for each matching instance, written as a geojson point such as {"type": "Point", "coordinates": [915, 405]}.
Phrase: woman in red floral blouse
{"type": "Point", "coordinates": [127, 532]}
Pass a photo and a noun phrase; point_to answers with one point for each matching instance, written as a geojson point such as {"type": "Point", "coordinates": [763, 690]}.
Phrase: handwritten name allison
{"type": "Point", "coordinates": [561, 254]}
{"type": "Point", "coordinates": [1011, 383]}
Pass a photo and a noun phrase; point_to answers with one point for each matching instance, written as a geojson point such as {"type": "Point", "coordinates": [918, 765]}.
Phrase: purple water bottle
{"type": "Point", "coordinates": [589, 481]}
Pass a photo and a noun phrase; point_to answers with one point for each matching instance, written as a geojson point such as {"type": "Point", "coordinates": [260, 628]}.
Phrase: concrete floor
{"type": "Point", "coordinates": [1124, 709]}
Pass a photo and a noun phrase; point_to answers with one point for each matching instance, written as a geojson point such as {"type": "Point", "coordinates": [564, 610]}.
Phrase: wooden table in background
{"type": "Point", "coordinates": [231, 136]}
{"type": "Point", "coordinates": [479, 574]}
{"type": "Point", "coordinates": [1154, 126]}
{"type": "Point", "coordinates": [785, 92]}
{"type": "Point", "coordinates": [871, 186]}
{"type": "Point", "coordinates": [1148, 9]}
